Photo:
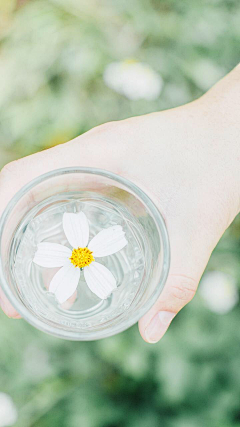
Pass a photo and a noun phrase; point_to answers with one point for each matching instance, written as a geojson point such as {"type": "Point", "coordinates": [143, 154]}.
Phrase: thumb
{"type": "Point", "coordinates": [179, 290]}
{"type": "Point", "coordinates": [187, 265]}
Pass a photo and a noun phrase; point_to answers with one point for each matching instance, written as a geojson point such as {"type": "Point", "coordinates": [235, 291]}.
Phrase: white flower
{"type": "Point", "coordinates": [133, 79]}
{"type": "Point", "coordinates": [8, 411]}
{"type": "Point", "coordinates": [219, 291]}
{"type": "Point", "coordinates": [99, 279]}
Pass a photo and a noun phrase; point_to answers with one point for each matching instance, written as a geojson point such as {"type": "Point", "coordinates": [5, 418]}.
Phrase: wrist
{"type": "Point", "coordinates": [221, 110]}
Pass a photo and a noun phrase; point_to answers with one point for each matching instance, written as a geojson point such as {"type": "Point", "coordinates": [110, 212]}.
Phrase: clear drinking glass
{"type": "Point", "coordinates": [35, 214]}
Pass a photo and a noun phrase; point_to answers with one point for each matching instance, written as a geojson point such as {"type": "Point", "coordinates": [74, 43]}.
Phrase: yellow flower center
{"type": "Point", "coordinates": [81, 257]}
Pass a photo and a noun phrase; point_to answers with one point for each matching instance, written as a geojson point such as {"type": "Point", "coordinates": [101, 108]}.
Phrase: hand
{"type": "Point", "coordinates": [185, 159]}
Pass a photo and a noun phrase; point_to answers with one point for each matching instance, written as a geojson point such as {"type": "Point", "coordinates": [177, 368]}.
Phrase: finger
{"type": "Point", "coordinates": [7, 308]}
{"type": "Point", "coordinates": [179, 291]}
{"type": "Point", "coordinates": [84, 151]}
{"type": "Point", "coordinates": [189, 256]}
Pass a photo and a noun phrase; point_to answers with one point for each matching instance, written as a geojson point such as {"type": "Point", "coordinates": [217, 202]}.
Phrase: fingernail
{"type": "Point", "coordinates": [158, 326]}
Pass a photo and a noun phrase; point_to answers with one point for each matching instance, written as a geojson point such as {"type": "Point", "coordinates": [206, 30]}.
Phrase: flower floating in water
{"type": "Point", "coordinates": [133, 79]}
{"type": "Point", "coordinates": [219, 291]}
{"type": "Point", "coordinates": [82, 257]}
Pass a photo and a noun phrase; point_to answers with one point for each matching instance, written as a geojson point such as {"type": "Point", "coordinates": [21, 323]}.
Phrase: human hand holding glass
{"type": "Point", "coordinates": [185, 159]}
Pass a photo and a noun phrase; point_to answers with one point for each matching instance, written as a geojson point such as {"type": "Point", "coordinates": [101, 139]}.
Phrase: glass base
{"type": "Point", "coordinates": [84, 309]}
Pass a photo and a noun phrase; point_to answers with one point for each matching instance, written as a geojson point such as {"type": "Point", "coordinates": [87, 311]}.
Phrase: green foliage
{"type": "Point", "coordinates": [53, 54]}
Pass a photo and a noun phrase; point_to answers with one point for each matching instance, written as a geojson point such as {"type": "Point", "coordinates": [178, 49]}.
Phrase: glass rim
{"type": "Point", "coordinates": [79, 336]}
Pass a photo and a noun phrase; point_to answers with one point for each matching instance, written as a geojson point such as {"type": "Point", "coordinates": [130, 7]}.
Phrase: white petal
{"type": "Point", "coordinates": [99, 280]}
{"type": "Point", "coordinates": [76, 229]}
{"type": "Point", "coordinates": [51, 255]}
{"type": "Point", "coordinates": [108, 241]}
{"type": "Point", "coordinates": [65, 282]}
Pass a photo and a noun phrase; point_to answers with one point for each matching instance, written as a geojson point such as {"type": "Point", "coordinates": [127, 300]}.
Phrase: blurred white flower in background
{"type": "Point", "coordinates": [133, 79]}
{"type": "Point", "coordinates": [219, 291]}
{"type": "Point", "coordinates": [8, 411]}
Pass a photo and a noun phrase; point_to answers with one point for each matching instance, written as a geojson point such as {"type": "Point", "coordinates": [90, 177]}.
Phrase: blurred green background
{"type": "Point", "coordinates": [53, 56]}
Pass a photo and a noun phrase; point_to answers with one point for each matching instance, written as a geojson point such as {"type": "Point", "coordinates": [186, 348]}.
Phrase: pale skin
{"type": "Point", "coordinates": [186, 159]}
